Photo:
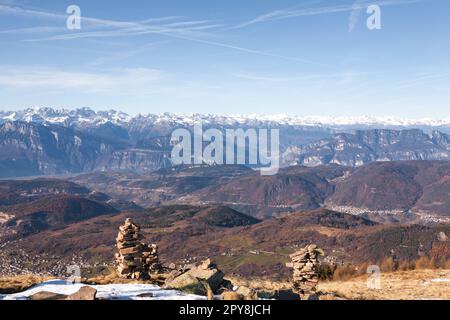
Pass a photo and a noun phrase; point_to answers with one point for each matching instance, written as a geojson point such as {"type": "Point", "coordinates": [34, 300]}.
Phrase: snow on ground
{"type": "Point", "coordinates": [110, 291]}
{"type": "Point", "coordinates": [441, 280]}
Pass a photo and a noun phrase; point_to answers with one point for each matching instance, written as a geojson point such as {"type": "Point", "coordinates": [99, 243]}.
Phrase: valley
{"type": "Point", "coordinates": [52, 223]}
{"type": "Point", "coordinates": [367, 197]}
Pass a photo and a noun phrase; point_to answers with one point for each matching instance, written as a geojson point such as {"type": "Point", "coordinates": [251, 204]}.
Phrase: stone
{"type": "Point", "coordinates": [84, 294]}
{"type": "Point", "coordinates": [145, 295]}
{"type": "Point", "coordinates": [45, 295]}
{"type": "Point", "coordinates": [135, 260]}
{"type": "Point", "coordinates": [207, 264]}
{"type": "Point", "coordinates": [247, 293]}
{"type": "Point", "coordinates": [305, 271]}
{"type": "Point", "coordinates": [191, 280]}
{"type": "Point", "coordinates": [285, 295]}
{"type": "Point", "coordinates": [231, 296]}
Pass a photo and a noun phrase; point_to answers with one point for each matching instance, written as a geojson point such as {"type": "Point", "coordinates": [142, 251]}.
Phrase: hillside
{"type": "Point", "coordinates": [294, 188]}
{"type": "Point", "coordinates": [242, 245]}
{"type": "Point", "coordinates": [52, 212]}
{"type": "Point", "coordinates": [402, 191]}
{"type": "Point", "coordinates": [162, 186]}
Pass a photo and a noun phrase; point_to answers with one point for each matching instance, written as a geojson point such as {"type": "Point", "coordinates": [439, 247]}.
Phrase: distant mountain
{"type": "Point", "coordinates": [46, 141]}
{"type": "Point", "coordinates": [31, 149]}
{"type": "Point", "coordinates": [367, 146]}
{"type": "Point", "coordinates": [144, 126]}
{"type": "Point", "coordinates": [86, 117]}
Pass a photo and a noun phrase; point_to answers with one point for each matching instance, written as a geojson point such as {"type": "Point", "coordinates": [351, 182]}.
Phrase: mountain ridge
{"type": "Point", "coordinates": [88, 115]}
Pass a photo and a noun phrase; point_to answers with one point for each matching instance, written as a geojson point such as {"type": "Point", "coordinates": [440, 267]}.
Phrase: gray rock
{"type": "Point", "coordinates": [85, 293]}
{"type": "Point", "coordinates": [45, 295]}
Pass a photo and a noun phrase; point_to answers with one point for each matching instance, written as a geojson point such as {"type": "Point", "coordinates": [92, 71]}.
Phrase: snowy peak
{"type": "Point", "coordinates": [65, 117]}
{"type": "Point", "coordinates": [89, 117]}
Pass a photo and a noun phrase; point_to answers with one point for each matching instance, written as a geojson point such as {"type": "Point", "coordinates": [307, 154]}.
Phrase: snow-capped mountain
{"type": "Point", "coordinates": [49, 141]}
{"type": "Point", "coordinates": [65, 117]}
{"type": "Point", "coordinates": [88, 117]}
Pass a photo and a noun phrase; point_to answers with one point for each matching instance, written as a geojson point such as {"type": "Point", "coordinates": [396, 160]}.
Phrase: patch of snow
{"type": "Point", "coordinates": [55, 135]}
{"type": "Point", "coordinates": [441, 280]}
{"type": "Point", "coordinates": [109, 291]}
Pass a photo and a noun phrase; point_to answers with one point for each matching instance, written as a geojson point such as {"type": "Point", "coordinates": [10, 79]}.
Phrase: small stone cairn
{"type": "Point", "coordinates": [135, 259]}
{"type": "Point", "coordinates": [305, 264]}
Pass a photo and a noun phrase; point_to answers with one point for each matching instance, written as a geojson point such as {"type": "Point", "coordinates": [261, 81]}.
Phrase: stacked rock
{"type": "Point", "coordinates": [135, 260]}
{"type": "Point", "coordinates": [151, 259]}
{"type": "Point", "coordinates": [306, 276]}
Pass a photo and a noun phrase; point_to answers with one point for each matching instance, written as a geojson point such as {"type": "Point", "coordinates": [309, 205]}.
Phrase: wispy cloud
{"type": "Point", "coordinates": [340, 78]}
{"type": "Point", "coordinates": [36, 77]}
{"type": "Point", "coordinates": [321, 10]}
{"type": "Point", "coordinates": [162, 25]}
{"type": "Point", "coordinates": [422, 79]}
{"type": "Point", "coordinates": [193, 31]}
{"type": "Point", "coordinates": [121, 55]}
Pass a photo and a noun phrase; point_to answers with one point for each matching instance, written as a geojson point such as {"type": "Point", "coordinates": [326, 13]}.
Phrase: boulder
{"type": "Point", "coordinates": [190, 281]}
{"type": "Point", "coordinates": [231, 296]}
{"type": "Point", "coordinates": [285, 295]}
{"type": "Point", "coordinates": [85, 293]}
{"type": "Point", "coordinates": [45, 295]}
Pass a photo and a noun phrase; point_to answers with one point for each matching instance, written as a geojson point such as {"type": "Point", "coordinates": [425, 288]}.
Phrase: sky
{"type": "Point", "coordinates": [300, 58]}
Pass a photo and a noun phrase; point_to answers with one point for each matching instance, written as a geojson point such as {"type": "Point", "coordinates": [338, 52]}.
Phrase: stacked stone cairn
{"type": "Point", "coordinates": [135, 259]}
{"type": "Point", "coordinates": [306, 275]}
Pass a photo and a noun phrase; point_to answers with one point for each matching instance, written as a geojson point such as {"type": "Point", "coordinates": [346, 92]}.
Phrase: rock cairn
{"type": "Point", "coordinates": [306, 276]}
{"type": "Point", "coordinates": [135, 259]}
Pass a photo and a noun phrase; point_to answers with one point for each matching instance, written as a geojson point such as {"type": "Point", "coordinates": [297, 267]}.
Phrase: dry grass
{"type": "Point", "coordinates": [401, 285]}
{"type": "Point", "coordinates": [9, 285]}
{"type": "Point", "coordinates": [260, 284]}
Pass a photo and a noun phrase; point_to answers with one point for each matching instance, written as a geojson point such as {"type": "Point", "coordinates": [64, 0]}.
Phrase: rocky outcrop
{"type": "Point", "coordinates": [31, 148]}
{"type": "Point", "coordinates": [305, 264]}
{"type": "Point", "coordinates": [135, 259]}
{"type": "Point", "coordinates": [366, 146]}
{"type": "Point", "coordinates": [194, 279]}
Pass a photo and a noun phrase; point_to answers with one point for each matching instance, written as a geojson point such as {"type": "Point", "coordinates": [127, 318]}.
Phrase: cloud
{"type": "Point", "coordinates": [193, 31]}
{"type": "Point", "coordinates": [423, 79]}
{"type": "Point", "coordinates": [40, 77]}
{"type": "Point", "coordinates": [340, 78]}
{"type": "Point", "coordinates": [315, 11]}
{"type": "Point", "coordinates": [94, 27]}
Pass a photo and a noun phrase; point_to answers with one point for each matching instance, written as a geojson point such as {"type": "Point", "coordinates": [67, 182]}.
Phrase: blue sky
{"type": "Point", "coordinates": [302, 58]}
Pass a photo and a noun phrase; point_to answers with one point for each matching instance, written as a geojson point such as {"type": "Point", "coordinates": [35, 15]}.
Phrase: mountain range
{"type": "Point", "coordinates": [45, 141]}
{"type": "Point", "coordinates": [88, 117]}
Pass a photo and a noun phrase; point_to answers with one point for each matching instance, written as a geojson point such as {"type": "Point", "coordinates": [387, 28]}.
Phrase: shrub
{"type": "Point", "coordinates": [388, 265]}
{"type": "Point", "coordinates": [344, 272]}
{"type": "Point", "coordinates": [406, 265]}
{"type": "Point", "coordinates": [425, 263]}
{"type": "Point", "coordinates": [326, 271]}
